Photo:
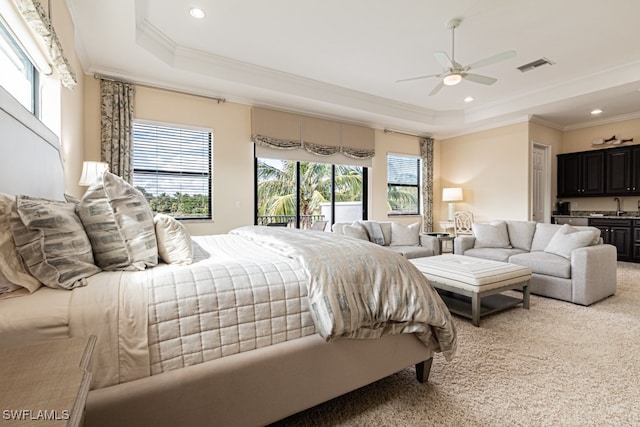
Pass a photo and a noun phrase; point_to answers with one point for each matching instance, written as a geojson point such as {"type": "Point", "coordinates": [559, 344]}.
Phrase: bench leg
{"type": "Point", "coordinates": [525, 295]}
{"type": "Point", "coordinates": [475, 309]}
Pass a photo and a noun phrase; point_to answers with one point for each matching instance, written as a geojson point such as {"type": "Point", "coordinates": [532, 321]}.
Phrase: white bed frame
{"type": "Point", "coordinates": [253, 388]}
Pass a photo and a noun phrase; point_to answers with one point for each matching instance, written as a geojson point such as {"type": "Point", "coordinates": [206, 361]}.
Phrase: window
{"type": "Point", "coordinates": [18, 76]}
{"type": "Point", "coordinates": [299, 194]}
{"type": "Point", "coordinates": [172, 168]}
{"type": "Point", "coordinates": [403, 185]}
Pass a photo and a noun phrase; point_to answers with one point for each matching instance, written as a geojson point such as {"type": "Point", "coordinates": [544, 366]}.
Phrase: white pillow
{"type": "Point", "coordinates": [52, 242]}
{"type": "Point", "coordinates": [402, 235]}
{"type": "Point", "coordinates": [174, 242]}
{"type": "Point", "coordinates": [568, 238]}
{"type": "Point", "coordinates": [11, 264]}
{"type": "Point", "coordinates": [356, 230]}
{"type": "Point", "coordinates": [494, 235]}
{"type": "Point", "coordinates": [119, 223]}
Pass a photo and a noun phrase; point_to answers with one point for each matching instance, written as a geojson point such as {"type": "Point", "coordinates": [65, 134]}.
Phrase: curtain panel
{"type": "Point", "coordinates": [426, 153]}
{"type": "Point", "coordinates": [35, 16]}
{"type": "Point", "coordinates": [116, 127]}
{"type": "Point", "coordinates": [287, 131]}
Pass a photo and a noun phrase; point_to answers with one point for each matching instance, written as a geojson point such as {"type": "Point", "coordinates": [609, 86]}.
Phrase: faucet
{"type": "Point", "coordinates": [618, 211]}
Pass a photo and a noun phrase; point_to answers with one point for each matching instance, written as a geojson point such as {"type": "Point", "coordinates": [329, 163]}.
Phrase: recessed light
{"type": "Point", "coordinates": [469, 99]}
{"type": "Point", "coordinates": [596, 111]}
{"type": "Point", "coordinates": [197, 13]}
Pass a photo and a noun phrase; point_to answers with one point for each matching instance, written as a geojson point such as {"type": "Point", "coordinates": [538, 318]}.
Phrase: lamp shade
{"type": "Point", "coordinates": [451, 194]}
{"type": "Point", "coordinates": [91, 171]}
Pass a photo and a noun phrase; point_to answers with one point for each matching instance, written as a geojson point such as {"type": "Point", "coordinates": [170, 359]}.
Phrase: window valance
{"type": "Point", "coordinates": [280, 130]}
{"type": "Point", "coordinates": [34, 14]}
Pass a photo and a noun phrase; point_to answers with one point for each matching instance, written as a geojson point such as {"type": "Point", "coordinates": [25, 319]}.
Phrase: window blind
{"type": "Point", "coordinates": [175, 162]}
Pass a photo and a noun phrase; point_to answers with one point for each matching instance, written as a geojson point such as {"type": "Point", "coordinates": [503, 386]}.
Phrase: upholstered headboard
{"type": "Point", "coordinates": [30, 157]}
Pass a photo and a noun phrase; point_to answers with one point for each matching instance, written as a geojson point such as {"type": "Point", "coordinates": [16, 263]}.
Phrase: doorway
{"type": "Point", "coordinates": [541, 183]}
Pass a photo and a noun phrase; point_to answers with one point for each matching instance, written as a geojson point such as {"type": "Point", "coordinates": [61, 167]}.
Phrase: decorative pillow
{"type": "Point", "coordinates": [174, 242]}
{"type": "Point", "coordinates": [374, 231]}
{"type": "Point", "coordinates": [568, 238]}
{"type": "Point", "coordinates": [356, 230]}
{"type": "Point", "coordinates": [494, 235]}
{"type": "Point", "coordinates": [521, 234]}
{"type": "Point", "coordinates": [11, 264]}
{"type": "Point", "coordinates": [402, 235]}
{"type": "Point", "coordinates": [119, 223]}
{"type": "Point", "coordinates": [51, 242]}
{"type": "Point", "coordinates": [6, 286]}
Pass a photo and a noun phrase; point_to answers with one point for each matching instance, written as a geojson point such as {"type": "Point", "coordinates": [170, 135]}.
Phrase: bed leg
{"type": "Point", "coordinates": [423, 369]}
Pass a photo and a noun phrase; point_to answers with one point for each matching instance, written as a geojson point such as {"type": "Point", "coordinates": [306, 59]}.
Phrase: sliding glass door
{"type": "Point", "coordinates": [300, 194]}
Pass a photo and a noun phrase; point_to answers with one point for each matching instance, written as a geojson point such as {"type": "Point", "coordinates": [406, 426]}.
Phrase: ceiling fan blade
{"type": "Point", "coordinates": [492, 59]}
{"type": "Point", "coordinates": [436, 89]}
{"type": "Point", "coordinates": [444, 59]}
{"type": "Point", "coordinates": [417, 78]}
{"type": "Point", "coordinates": [477, 78]}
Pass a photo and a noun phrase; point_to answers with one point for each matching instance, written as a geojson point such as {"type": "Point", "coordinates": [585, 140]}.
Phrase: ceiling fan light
{"type": "Point", "coordinates": [452, 79]}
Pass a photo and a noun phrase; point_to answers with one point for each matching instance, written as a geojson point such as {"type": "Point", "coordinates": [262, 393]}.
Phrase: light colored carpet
{"type": "Point", "coordinates": [557, 364]}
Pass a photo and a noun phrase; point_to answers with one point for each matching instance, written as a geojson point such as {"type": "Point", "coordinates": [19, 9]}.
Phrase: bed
{"type": "Point", "coordinates": [262, 323]}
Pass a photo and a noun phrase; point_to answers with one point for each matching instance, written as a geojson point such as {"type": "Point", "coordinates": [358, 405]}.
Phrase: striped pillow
{"type": "Point", "coordinates": [51, 242]}
{"type": "Point", "coordinates": [119, 223]}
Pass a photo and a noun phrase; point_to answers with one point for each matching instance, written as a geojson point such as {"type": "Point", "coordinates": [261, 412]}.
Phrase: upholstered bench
{"type": "Point", "coordinates": [473, 285]}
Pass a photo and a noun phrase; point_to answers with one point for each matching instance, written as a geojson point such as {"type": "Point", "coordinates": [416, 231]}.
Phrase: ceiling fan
{"type": "Point", "coordinates": [453, 72]}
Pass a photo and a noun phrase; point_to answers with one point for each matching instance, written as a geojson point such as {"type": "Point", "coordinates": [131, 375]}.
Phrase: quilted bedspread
{"type": "Point", "coordinates": [251, 288]}
{"type": "Point", "coordinates": [358, 289]}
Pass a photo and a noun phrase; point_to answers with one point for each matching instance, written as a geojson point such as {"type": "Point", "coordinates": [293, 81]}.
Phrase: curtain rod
{"type": "Point", "coordinates": [113, 79]}
{"type": "Point", "coordinates": [408, 134]}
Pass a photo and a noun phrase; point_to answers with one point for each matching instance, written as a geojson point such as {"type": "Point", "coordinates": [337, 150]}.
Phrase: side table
{"type": "Point", "coordinates": [47, 381]}
{"type": "Point", "coordinates": [443, 237]}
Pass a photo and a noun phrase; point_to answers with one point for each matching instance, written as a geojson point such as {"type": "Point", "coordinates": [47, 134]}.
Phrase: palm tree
{"type": "Point", "coordinates": [277, 186]}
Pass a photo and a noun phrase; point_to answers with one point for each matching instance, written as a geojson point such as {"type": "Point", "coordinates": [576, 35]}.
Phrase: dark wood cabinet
{"type": "Point", "coordinates": [636, 240]}
{"type": "Point", "coordinates": [617, 232]}
{"type": "Point", "coordinates": [581, 174]}
{"type": "Point", "coordinates": [623, 171]}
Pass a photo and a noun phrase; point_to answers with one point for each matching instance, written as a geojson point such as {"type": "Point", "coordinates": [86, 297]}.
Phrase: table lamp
{"type": "Point", "coordinates": [452, 195]}
{"type": "Point", "coordinates": [90, 171]}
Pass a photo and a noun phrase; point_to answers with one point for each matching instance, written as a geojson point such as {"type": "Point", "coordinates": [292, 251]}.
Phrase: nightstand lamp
{"type": "Point", "coordinates": [452, 195]}
{"type": "Point", "coordinates": [90, 171]}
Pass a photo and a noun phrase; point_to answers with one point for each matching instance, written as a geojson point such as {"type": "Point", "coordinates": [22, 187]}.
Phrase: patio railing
{"type": "Point", "coordinates": [289, 220]}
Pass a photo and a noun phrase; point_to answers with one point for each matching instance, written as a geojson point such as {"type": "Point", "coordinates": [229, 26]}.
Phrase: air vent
{"type": "Point", "coordinates": [534, 64]}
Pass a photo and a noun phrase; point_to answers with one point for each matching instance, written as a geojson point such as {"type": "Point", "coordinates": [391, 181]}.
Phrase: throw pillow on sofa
{"type": "Point", "coordinates": [568, 238]}
{"type": "Point", "coordinates": [355, 230]}
{"type": "Point", "coordinates": [494, 235]}
{"type": "Point", "coordinates": [403, 235]}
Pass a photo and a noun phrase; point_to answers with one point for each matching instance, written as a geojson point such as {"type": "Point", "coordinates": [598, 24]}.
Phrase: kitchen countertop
{"type": "Point", "coordinates": [604, 215]}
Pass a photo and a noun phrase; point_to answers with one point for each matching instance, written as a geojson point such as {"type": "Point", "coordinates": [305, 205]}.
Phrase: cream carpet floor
{"type": "Point", "coordinates": [557, 364]}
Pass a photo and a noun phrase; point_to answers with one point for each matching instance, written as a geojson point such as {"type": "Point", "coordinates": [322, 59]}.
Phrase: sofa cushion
{"type": "Point", "coordinates": [521, 233]}
{"type": "Point", "coordinates": [568, 238]}
{"type": "Point", "coordinates": [374, 231]}
{"type": "Point", "coordinates": [402, 235]}
{"type": "Point", "coordinates": [355, 230]}
{"type": "Point", "coordinates": [544, 263]}
{"type": "Point", "coordinates": [386, 232]}
{"type": "Point", "coordinates": [543, 235]}
{"type": "Point", "coordinates": [496, 254]}
{"type": "Point", "coordinates": [494, 235]}
{"type": "Point", "coordinates": [411, 252]}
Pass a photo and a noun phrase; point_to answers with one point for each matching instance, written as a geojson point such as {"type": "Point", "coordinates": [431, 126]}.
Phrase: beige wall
{"type": "Point", "coordinates": [492, 168]}
{"type": "Point", "coordinates": [71, 102]}
{"type": "Point", "coordinates": [581, 140]}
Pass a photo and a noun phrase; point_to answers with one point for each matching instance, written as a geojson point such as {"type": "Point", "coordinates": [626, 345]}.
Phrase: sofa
{"type": "Point", "coordinates": [569, 263]}
{"type": "Point", "coordinates": [405, 240]}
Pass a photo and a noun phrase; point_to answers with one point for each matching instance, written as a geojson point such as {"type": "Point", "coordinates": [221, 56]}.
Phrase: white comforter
{"type": "Point", "coordinates": [254, 287]}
